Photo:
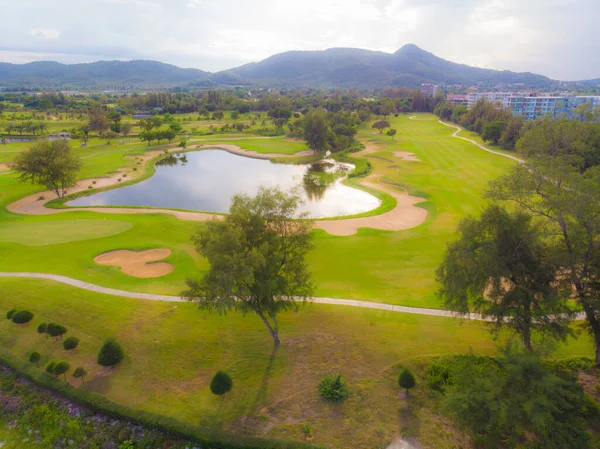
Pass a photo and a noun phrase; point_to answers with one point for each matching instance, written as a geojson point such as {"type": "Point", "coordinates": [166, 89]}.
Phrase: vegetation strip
{"type": "Point", "coordinates": [168, 298]}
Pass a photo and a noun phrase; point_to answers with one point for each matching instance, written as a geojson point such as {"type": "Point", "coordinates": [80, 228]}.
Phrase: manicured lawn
{"type": "Point", "coordinates": [173, 349]}
{"type": "Point", "coordinates": [393, 267]}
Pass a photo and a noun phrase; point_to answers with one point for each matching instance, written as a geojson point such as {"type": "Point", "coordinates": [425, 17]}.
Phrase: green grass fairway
{"type": "Point", "coordinates": [173, 349]}
{"type": "Point", "coordinates": [392, 267]}
{"type": "Point", "coordinates": [63, 231]}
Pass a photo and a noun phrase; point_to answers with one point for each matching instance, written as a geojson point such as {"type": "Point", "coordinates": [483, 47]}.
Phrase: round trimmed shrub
{"type": "Point", "coordinates": [55, 330]}
{"type": "Point", "coordinates": [22, 317]}
{"type": "Point", "coordinates": [41, 329]}
{"type": "Point", "coordinates": [406, 379]}
{"type": "Point", "coordinates": [111, 353]}
{"type": "Point", "coordinates": [50, 368]}
{"type": "Point", "coordinates": [70, 343]}
{"type": "Point", "coordinates": [334, 387]}
{"type": "Point", "coordinates": [61, 368]}
{"type": "Point", "coordinates": [221, 383]}
{"type": "Point", "coordinates": [35, 357]}
{"type": "Point", "coordinates": [79, 373]}
{"type": "Point", "coordinates": [10, 314]}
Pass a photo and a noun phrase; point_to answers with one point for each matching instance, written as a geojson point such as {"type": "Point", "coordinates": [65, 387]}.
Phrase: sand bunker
{"type": "Point", "coordinates": [4, 167]}
{"type": "Point", "coordinates": [406, 156]}
{"type": "Point", "coordinates": [140, 264]}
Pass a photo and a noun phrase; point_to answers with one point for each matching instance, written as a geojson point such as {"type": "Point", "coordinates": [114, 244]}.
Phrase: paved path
{"type": "Point", "coordinates": [484, 148]}
{"type": "Point", "coordinates": [151, 297]}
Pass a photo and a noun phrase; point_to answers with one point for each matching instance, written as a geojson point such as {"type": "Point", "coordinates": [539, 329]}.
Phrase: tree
{"type": "Point", "coordinates": [146, 124]}
{"type": "Point", "coordinates": [79, 373]}
{"type": "Point", "coordinates": [55, 330]}
{"type": "Point", "coordinates": [111, 353]}
{"type": "Point", "coordinates": [61, 368]}
{"type": "Point", "coordinates": [10, 314]}
{"type": "Point", "coordinates": [22, 317]}
{"type": "Point", "coordinates": [381, 125]}
{"type": "Point", "coordinates": [221, 383]}
{"type": "Point", "coordinates": [49, 163]}
{"type": "Point", "coordinates": [257, 258]}
{"type": "Point", "coordinates": [493, 131]}
{"type": "Point", "coordinates": [391, 132]}
{"type": "Point", "coordinates": [71, 343]}
{"type": "Point", "coordinates": [558, 189]}
{"type": "Point", "coordinates": [109, 135]}
{"type": "Point", "coordinates": [517, 396]}
{"type": "Point", "coordinates": [147, 136]}
{"type": "Point", "coordinates": [406, 379]}
{"type": "Point", "coordinates": [97, 119]}
{"type": "Point", "coordinates": [35, 357]}
{"type": "Point", "coordinates": [126, 128]}
{"type": "Point", "coordinates": [500, 267]}
{"type": "Point", "coordinates": [235, 115]}
{"type": "Point", "coordinates": [316, 130]}
{"type": "Point", "coordinates": [41, 329]}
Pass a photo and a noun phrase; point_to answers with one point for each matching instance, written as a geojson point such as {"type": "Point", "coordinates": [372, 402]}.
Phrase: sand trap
{"type": "Point", "coordinates": [139, 264]}
{"type": "Point", "coordinates": [4, 167]}
{"type": "Point", "coordinates": [404, 216]}
{"type": "Point", "coordinates": [406, 156]}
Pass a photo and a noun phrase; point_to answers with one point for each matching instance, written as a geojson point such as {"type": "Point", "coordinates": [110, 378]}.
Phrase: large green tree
{"type": "Point", "coordinates": [257, 258]}
{"type": "Point", "coordinates": [500, 267]}
{"type": "Point", "coordinates": [49, 163]}
{"type": "Point", "coordinates": [316, 130]}
{"type": "Point", "coordinates": [558, 188]}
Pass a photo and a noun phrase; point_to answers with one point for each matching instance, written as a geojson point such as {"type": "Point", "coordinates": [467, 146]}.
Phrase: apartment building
{"type": "Point", "coordinates": [533, 106]}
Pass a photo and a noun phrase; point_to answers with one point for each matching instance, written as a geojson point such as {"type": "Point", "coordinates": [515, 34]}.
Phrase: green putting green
{"type": "Point", "coordinates": [60, 231]}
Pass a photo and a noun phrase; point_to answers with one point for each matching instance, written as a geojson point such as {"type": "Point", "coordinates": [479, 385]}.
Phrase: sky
{"type": "Point", "coordinates": [556, 38]}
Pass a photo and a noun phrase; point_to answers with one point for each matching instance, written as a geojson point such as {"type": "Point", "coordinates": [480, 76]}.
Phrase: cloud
{"type": "Point", "coordinates": [552, 37]}
{"type": "Point", "coordinates": [44, 33]}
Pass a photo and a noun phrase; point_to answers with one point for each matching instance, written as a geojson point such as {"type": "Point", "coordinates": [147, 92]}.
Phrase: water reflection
{"type": "Point", "coordinates": [207, 180]}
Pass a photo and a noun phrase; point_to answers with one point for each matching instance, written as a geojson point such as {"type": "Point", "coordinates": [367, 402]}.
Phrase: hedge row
{"type": "Point", "coordinates": [206, 437]}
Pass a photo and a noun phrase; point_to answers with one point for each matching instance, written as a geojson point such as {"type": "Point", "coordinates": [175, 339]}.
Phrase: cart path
{"type": "Point", "coordinates": [151, 297]}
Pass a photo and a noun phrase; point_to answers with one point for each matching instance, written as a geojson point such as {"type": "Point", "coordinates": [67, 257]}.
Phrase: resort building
{"type": "Point", "coordinates": [533, 106]}
{"type": "Point", "coordinates": [429, 90]}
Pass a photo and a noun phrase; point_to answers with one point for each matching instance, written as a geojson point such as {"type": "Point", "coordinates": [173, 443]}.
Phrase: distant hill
{"type": "Point", "coordinates": [350, 67]}
{"type": "Point", "coordinates": [102, 73]}
{"type": "Point", "coordinates": [410, 66]}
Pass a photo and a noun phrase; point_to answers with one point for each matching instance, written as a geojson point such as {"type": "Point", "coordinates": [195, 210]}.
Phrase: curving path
{"type": "Point", "coordinates": [151, 297]}
{"type": "Point", "coordinates": [484, 148]}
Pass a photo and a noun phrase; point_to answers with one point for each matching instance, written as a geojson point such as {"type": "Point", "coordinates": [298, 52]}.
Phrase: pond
{"type": "Point", "coordinates": [207, 180]}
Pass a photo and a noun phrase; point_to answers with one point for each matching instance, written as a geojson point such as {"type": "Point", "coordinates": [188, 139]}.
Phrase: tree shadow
{"type": "Point", "coordinates": [410, 423]}
{"type": "Point", "coordinates": [261, 394]}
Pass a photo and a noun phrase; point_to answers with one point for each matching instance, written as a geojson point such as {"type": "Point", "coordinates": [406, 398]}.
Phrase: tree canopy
{"type": "Point", "coordinates": [49, 163]}
{"type": "Point", "coordinates": [316, 130]}
{"type": "Point", "coordinates": [257, 258]}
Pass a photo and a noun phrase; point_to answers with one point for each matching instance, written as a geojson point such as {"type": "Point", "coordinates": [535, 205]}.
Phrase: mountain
{"type": "Point", "coordinates": [101, 74]}
{"type": "Point", "coordinates": [410, 66]}
{"type": "Point", "coordinates": [350, 67]}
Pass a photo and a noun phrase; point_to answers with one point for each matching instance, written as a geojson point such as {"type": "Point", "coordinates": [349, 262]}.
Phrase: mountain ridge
{"type": "Point", "coordinates": [340, 67]}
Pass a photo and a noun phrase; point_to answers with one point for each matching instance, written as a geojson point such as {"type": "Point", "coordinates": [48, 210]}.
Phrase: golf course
{"type": "Point", "coordinates": [426, 179]}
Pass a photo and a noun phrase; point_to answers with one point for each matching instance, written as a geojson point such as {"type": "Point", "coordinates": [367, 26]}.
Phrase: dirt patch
{"type": "Point", "coordinates": [4, 167]}
{"type": "Point", "coordinates": [139, 264]}
{"type": "Point", "coordinates": [406, 156]}
{"type": "Point", "coordinates": [292, 139]}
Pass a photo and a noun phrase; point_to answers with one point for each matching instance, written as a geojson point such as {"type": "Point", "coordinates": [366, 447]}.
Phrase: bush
{"type": "Point", "coordinates": [55, 330]}
{"type": "Point", "coordinates": [35, 357]}
{"type": "Point", "coordinates": [334, 387]}
{"type": "Point", "coordinates": [10, 314]}
{"type": "Point", "coordinates": [61, 368]}
{"type": "Point", "coordinates": [406, 379]}
{"type": "Point", "coordinates": [22, 317]}
{"type": "Point", "coordinates": [111, 353]}
{"type": "Point", "coordinates": [41, 329]}
{"type": "Point", "coordinates": [71, 343]}
{"type": "Point", "coordinates": [221, 383]}
{"type": "Point", "coordinates": [50, 368]}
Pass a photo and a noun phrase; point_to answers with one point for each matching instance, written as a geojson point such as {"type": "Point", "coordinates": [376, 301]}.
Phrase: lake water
{"type": "Point", "coordinates": [207, 180]}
